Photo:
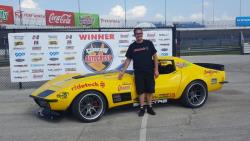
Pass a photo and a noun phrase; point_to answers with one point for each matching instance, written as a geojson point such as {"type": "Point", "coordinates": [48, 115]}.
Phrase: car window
{"type": "Point", "coordinates": [166, 66]}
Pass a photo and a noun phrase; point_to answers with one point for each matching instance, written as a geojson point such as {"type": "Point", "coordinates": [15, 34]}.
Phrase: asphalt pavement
{"type": "Point", "coordinates": [225, 116]}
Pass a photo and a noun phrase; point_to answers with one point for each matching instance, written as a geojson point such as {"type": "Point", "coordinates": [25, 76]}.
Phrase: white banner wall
{"type": "Point", "coordinates": [36, 18]}
{"type": "Point", "coordinates": [42, 56]}
{"type": "Point", "coordinates": [107, 21]}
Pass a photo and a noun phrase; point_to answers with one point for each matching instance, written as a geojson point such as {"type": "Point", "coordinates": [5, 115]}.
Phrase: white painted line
{"type": "Point", "coordinates": [143, 129]}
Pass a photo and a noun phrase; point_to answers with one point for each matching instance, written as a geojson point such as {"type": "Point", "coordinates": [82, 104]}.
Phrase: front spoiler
{"type": "Point", "coordinates": [46, 113]}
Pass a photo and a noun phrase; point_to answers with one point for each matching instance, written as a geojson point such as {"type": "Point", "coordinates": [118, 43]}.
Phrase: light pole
{"type": "Point", "coordinates": [125, 7]}
{"type": "Point", "coordinates": [165, 13]}
{"type": "Point", "coordinates": [240, 7]}
{"type": "Point", "coordinates": [79, 10]}
{"type": "Point", "coordinates": [202, 12]}
{"type": "Point", "coordinates": [21, 13]}
{"type": "Point", "coordinates": [213, 12]}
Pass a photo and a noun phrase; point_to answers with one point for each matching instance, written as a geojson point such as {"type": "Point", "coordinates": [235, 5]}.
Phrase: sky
{"type": "Point", "coordinates": [176, 10]}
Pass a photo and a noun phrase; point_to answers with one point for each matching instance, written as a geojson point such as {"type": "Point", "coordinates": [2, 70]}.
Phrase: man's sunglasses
{"type": "Point", "coordinates": [138, 33]}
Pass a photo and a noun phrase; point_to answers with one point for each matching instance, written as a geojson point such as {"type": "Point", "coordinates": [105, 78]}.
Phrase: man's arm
{"type": "Point", "coordinates": [126, 64]}
{"type": "Point", "coordinates": [156, 71]}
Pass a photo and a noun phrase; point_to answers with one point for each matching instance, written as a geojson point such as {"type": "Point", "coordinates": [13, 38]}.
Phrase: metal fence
{"type": "Point", "coordinates": [189, 42]}
{"type": "Point", "coordinates": [212, 41]}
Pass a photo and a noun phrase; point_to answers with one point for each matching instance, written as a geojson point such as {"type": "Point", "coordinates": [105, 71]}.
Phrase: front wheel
{"type": "Point", "coordinates": [195, 94]}
{"type": "Point", "coordinates": [89, 106]}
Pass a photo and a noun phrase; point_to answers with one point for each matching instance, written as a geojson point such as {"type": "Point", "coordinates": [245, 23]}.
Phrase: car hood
{"type": "Point", "coordinates": [54, 84]}
{"type": "Point", "coordinates": [65, 81]}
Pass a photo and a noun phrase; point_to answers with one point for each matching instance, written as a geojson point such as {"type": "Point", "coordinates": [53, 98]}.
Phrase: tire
{"type": "Point", "coordinates": [195, 94]}
{"type": "Point", "coordinates": [89, 106]}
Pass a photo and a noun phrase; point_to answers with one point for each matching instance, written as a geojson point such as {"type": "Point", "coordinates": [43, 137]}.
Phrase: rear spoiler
{"type": "Point", "coordinates": [224, 82]}
{"type": "Point", "coordinates": [212, 66]}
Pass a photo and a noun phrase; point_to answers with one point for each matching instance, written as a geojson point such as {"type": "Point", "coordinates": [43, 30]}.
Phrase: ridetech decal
{"type": "Point", "coordinates": [97, 56]}
{"type": "Point", "coordinates": [86, 85]}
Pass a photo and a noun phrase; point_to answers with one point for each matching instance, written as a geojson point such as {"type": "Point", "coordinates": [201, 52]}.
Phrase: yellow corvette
{"type": "Point", "coordinates": [90, 95]}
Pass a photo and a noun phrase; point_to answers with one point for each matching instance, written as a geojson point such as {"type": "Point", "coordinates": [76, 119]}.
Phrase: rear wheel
{"type": "Point", "coordinates": [195, 94]}
{"type": "Point", "coordinates": [89, 106]}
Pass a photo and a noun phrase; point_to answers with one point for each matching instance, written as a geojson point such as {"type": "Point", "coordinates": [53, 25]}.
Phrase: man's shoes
{"type": "Point", "coordinates": [150, 111]}
{"type": "Point", "coordinates": [141, 112]}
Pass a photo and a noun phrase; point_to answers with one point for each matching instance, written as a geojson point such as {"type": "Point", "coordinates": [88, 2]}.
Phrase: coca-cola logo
{"type": "Point", "coordinates": [63, 19]}
{"type": "Point", "coordinates": [59, 18]}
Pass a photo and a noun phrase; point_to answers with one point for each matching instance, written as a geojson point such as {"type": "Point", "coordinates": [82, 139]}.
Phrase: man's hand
{"type": "Point", "coordinates": [156, 74]}
{"type": "Point", "coordinates": [126, 64]}
{"type": "Point", "coordinates": [120, 75]}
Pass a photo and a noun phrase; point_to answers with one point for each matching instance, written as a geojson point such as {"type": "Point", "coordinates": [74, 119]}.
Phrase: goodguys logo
{"type": "Point", "coordinates": [87, 20]}
{"type": "Point", "coordinates": [97, 56]}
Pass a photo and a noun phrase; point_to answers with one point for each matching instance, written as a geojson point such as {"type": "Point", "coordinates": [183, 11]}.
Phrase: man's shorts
{"type": "Point", "coordinates": [144, 82]}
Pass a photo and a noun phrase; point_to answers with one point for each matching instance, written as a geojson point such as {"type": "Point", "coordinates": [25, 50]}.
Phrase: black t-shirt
{"type": "Point", "coordinates": [141, 54]}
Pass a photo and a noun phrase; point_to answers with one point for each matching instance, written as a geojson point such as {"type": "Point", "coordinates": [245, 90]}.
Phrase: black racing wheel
{"type": "Point", "coordinates": [195, 94]}
{"type": "Point", "coordinates": [89, 106]}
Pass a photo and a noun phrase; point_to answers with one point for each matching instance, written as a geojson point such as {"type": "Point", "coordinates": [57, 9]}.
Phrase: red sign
{"type": "Point", "coordinates": [6, 15]}
{"type": "Point", "coordinates": [59, 18]}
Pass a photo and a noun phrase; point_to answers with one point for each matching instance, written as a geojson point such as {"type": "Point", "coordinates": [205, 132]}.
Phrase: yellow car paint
{"type": "Point", "coordinates": [168, 86]}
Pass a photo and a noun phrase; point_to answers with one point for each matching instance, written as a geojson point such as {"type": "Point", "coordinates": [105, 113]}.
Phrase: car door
{"type": "Point", "coordinates": [167, 84]}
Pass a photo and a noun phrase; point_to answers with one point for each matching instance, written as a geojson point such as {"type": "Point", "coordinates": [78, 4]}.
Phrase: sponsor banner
{"type": "Point", "coordinates": [6, 15]}
{"type": "Point", "coordinates": [106, 21]}
{"type": "Point", "coordinates": [86, 20]}
{"type": "Point", "coordinates": [243, 21]}
{"type": "Point", "coordinates": [59, 18]}
{"type": "Point", "coordinates": [30, 18]}
{"type": "Point", "coordinates": [43, 56]}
